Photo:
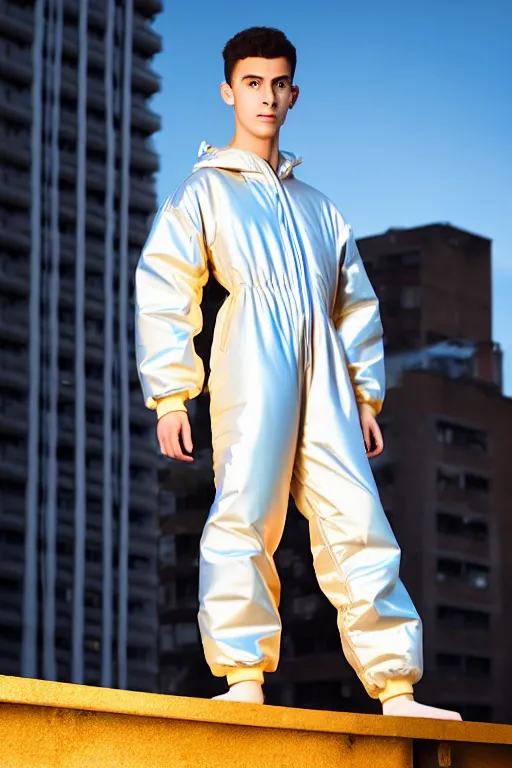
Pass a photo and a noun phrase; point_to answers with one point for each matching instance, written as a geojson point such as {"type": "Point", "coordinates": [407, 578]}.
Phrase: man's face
{"type": "Point", "coordinates": [261, 93]}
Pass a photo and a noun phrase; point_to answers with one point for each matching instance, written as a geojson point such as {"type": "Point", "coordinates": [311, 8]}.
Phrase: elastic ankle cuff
{"type": "Point", "coordinates": [395, 687]}
{"type": "Point", "coordinates": [245, 674]}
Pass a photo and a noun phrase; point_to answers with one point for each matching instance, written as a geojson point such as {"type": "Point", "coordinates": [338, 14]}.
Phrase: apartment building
{"type": "Point", "coordinates": [78, 498]}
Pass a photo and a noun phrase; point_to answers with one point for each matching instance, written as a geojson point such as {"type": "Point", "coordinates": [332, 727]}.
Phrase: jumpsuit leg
{"type": "Point", "coordinates": [355, 554]}
{"type": "Point", "coordinates": [255, 395]}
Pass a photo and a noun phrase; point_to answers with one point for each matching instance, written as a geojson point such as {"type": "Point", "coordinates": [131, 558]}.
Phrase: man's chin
{"type": "Point", "coordinates": [266, 131]}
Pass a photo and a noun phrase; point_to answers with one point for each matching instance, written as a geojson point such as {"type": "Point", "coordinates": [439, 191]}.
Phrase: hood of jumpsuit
{"type": "Point", "coordinates": [233, 159]}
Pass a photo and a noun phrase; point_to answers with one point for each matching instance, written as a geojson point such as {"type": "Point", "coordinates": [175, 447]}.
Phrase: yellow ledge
{"type": "Point", "coordinates": [59, 725]}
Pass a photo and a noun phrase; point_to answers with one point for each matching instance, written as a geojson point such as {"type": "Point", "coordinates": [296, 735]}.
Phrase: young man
{"type": "Point", "coordinates": [296, 381]}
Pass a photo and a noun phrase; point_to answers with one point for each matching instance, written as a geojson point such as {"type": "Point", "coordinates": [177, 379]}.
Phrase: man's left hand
{"type": "Point", "coordinates": [370, 429]}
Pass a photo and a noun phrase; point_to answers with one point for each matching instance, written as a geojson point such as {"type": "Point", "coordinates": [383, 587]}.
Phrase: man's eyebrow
{"type": "Point", "coordinates": [274, 80]}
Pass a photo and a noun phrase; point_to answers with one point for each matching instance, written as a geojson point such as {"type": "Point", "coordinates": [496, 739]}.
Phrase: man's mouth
{"type": "Point", "coordinates": [266, 116]}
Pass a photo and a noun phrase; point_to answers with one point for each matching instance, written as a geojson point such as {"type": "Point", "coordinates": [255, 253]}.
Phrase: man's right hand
{"type": "Point", "coordinates": [168, 429]}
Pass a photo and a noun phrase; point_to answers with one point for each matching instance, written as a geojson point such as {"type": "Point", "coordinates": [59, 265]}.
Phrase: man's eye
{"type": "Point", "coordinates": [282, 83]}
{"type": "Point", "coordinates": [253, 82]}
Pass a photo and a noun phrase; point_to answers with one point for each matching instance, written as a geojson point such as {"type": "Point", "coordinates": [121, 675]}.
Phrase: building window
{"type": "Point", "coordinates": [187, 591]}
{"type": "Point", "coordinates": [463, 437]}
{"type": "Point", "coordinates": [166, 637]}
{"type": "Point", "coordinates": [138, 563]}
{"type": "Point", "coordinates": [167, 549]}
{"type": "Point", "coordinates": [411, 258]}
{"type": "Point", "coordinates": [447, 480]}
{"type": "Point", "coordinates": [398, 260]}
{"type": "Point", "coordinates": [454, 525]}
{"type": "Point", "coordinates": [477, 576]}
{"type": "Point", "coordinates": [93, 554]}
{"type": "Point", "coordinates": [187, 546]}
{"type": "Point", "coordinates": [179, 635]}
{"type": "Point", "coordinates": [450, 662]}
{"type": "Point", "coordinates": [411, 297]}
{"type": "Point", "coordinates": [186, 634]}
{"type": "Point", "coordinates": [167, 595]}
{"type": "Point", "coordinates": [476, 483]}
{"type": "Point", "coordinates": [137, 653]}
{"type": "Point", "coordinates": [136, 607]}
{"type": "Point", "coordinates": [452, 479]}
{"type": "Point", "coordinates": [478, 666]}
{"type": "Point", "coordinates": [92, 644]}
{"type": "Point", "coordinates": [474, 575]}
{"type": "Point", "coordinates": [471, 666]}
{"type": "Point", "coordinates": [462, 618]}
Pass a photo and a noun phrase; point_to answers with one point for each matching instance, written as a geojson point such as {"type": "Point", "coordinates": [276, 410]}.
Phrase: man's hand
{"type": "Point", "coordinates": [168, 429]}
{"type": "Point", "coordinates": [370, 428]}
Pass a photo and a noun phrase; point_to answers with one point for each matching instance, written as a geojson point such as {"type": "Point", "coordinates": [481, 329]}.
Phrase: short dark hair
{"type": "Point", "coordinates": [263, 42]}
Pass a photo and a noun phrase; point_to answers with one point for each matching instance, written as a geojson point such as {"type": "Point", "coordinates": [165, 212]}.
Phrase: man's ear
{"type": "Point", "coordinates": [227, 94]}
{"type": "Point", "coordinates": [294, 95]}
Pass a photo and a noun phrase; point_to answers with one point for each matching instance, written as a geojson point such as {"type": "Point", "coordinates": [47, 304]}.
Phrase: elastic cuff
{"type": "Point", "coordinates": [244, 674]}
{"type": "Point", "coordinates": [375, 405]}
{"type": "Point", "coordinates": [171, 403]}
{"type": "Point", "coordinates": [395, 687]}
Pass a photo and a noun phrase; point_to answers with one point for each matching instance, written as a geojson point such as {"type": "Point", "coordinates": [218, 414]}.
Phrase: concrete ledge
{"type": "Point", "coordinates": [59, 725]}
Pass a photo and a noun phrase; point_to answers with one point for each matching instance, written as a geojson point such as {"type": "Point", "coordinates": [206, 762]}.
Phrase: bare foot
{"type": "Point", "coordinates": [249, 692]}
{"type": "Point", "coordinates": [405, 706]}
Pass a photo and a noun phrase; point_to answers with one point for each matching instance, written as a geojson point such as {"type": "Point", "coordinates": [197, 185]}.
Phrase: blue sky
{"type": "Point", "coordinates": [404, 116]}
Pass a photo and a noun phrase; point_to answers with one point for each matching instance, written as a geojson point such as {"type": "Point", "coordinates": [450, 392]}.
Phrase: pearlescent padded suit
{"type": "Point", "coordinates": [297, 344]}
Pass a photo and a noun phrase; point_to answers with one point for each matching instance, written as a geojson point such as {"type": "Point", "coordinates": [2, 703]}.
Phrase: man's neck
{"type": "Point", "coordinates": [267, 149]}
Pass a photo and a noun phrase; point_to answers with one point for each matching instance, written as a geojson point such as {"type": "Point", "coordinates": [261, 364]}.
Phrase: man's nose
{"type": "Point", "coordinates": [270, 98]}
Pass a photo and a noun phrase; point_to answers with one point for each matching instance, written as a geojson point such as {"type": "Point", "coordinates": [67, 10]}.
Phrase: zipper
{"type": "Point", "coordinates": [291, 236]}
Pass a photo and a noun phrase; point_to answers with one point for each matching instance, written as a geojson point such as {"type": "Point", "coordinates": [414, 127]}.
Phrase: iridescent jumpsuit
{"type": "Point", "coordinates": [297, 345]}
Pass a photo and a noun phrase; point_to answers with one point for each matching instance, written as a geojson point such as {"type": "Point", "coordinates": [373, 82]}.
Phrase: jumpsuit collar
{"type": "Point", "coordinates": [243, 160]}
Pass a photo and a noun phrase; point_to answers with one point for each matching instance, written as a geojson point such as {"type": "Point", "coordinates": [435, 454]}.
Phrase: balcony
{"type": "Point", "coordinates": [51, 724]}
{"type": "Point", "coordinates": [151, 7]}
{"type": "Point", "coordinates": [456, 455]}
{"type": "Point", "coordinates": [96, 51]}
{"type": "Point", "coordinates": [17, 66]}
{"type": "Point", "coordinates": [13, 510]}
{"type": "Point", "coordinates": [143, 196]}
{"type": "Point", "coordinates": [15, 275]}
{"type": "Point", "coordinates": [144, 118]}
{"type": "Point", "coordinates": [456, 591]}
{"type": "Point", "coordinates": [17, 192]}
{"type": "Point", "coordinates": [16, 234]}
{"type": "Point", "coordinates": [460, 639]}
{"type": "Point", "coordinates": [13, 462]}
{"type": "Point", "coordinates": [20, 113]}
{"type": "Point", "coordinates": [14, 370]}
{"type": "Point", "coordinates": [17, 23]}
{"type": "Point", "coordinates": [137, 232]}
{"type": "Point", "coordinates": [464, 500]}
{"type": "Point", "coordinates": [143, 78]}
{"type": "Point", "coordinates": [14, 417]}
{"type": "Point", "coordinates": [143, 157]}
{"type": "Point", "coordinates": [145, 39]}
{"type": "Point", "coordinates": [448, 544]}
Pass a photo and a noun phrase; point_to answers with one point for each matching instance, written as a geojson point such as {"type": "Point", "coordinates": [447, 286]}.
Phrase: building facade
{"type": "Point", "coordinates": [78, 505]}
